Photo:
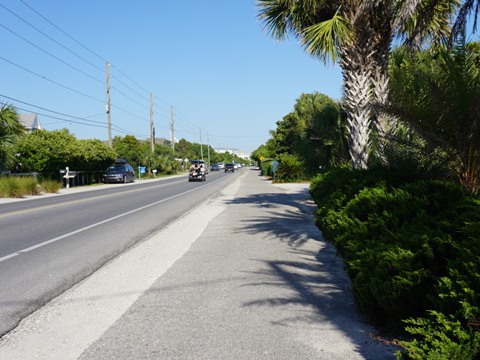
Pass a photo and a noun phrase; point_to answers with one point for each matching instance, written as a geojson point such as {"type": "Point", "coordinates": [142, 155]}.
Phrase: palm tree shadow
{"type": "Point", "coordinates": [288, 217]}
{"type": "Point", "coordinates": [317, 277]}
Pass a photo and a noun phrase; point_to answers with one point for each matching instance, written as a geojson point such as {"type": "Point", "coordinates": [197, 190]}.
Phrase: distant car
{"type": "Point", "coordinates": [221, 166]}
{"type": "Point", "coordinates": [214, 167]}
{"type": "Point", "coordinates": [230, 167]}
{"type": "Point", "coordinates": [119, 172]}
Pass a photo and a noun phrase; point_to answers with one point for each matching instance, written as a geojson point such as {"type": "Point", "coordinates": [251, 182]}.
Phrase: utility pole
{"type": "Point", "coordinates": [208, 148]}
{"type": "Point", "coordinates": [152, 129]}
{"type": "Point", "coordinates": [172, 129]}
{"type": "Point", "coordinates": [107, 107]}
{"type": "Point", "coordinates": [201, 145]}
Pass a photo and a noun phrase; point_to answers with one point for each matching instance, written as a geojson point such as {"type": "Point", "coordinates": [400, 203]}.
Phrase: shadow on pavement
{"type": "Point", "coordinates": [317, 277]}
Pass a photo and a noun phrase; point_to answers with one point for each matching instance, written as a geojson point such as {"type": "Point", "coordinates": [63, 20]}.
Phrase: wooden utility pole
{"type": "Point", "coordinates": [172, 129]}
{"type": "Point", "coordinates": [208, 148]}
{"type": "Point", "coordinates": [152, 130]}
{"type": "Point", "coordinates": [107, 107]}
{"type": "Point", "coordinates": [201, 145]}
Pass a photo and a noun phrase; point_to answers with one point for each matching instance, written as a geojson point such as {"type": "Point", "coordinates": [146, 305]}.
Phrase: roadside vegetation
{"type": "Point", "coordinates": [30, 163]}
{"type": "Point", "coordinates": [394, 167]}
{"type": "Point", "coordinates": [17, 187]}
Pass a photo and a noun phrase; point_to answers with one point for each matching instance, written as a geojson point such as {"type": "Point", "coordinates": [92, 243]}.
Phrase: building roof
{"type": "Point", "coordinates": [30, 121]}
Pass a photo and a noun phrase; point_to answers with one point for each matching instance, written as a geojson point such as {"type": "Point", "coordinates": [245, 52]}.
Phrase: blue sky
{"type": "Point", "coordinates": [210, 60]}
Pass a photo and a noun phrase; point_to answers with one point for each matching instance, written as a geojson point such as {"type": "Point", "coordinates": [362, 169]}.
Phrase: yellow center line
{"type": "Point", "coordinates": [45, 207]}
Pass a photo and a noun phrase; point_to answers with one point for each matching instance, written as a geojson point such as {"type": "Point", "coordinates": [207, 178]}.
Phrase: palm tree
{"type": "Point", "coordinates": [10, 128]}
{"type": "Point", "coordinates": [358, 34]}
{"type": "Point", "coordinates": [466, 9]}
{"type": "Point", "coordinates": [437, 95]}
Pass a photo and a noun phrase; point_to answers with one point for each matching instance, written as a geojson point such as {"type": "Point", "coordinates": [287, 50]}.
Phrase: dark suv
{"type": "Point", "coordinates": [119, 172]}
{"type": "Point", "coordinates": [230, 167]}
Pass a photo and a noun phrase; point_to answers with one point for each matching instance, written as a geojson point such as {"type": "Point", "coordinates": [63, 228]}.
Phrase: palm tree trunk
{"type": "Point", "coordinates": [356, 102]}
{"type": "Point", "coordinates": [357, 75]}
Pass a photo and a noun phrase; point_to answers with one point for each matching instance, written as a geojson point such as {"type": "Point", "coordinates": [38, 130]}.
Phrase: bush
{"type": "Point", "coordinates": [266, 167]}
{"type": "Point", "coordinates": [51, 186]}
{"type": "Point", "coordinates": [10, 187]}
{"type": "Point", "coordinates": [439, 336]}
{"type": "Point", "coordinates": [290, 169]}
{"type": "Point", "coordinates": [30, 186]}
{"type": "Point", "coordinates": [18, 187]}
{"type": "Point", "coordinates": [412, 251]}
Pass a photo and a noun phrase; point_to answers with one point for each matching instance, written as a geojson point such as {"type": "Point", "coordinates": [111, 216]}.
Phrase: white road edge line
{"type": "Point", "coordinates": [34, 247]}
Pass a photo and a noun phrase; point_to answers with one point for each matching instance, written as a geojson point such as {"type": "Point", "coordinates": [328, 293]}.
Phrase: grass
{"type": "Point", "coordinates": [17, 187]}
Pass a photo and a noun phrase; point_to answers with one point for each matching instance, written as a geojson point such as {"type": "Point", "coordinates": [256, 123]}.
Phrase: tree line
{"type": "Point", "coordinates": [47, 152]}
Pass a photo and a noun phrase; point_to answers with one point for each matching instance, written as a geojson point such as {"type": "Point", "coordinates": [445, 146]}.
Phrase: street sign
{"type": "Point", "coordinates": [275, 166]}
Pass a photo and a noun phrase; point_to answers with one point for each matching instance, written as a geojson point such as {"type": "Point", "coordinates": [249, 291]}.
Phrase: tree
{"type": "Point", "coordinates": [358, 34]}
{"type": "Point", "coordinates": [314, 132]}
{"type": "Point", "coordinates": [466, 9]}
{"type": "Point", "coordinates": [92, 155]}
{"type": "Point", "coordinates": [287, 135]}
{"type": "Point", "coordinates": [323, 142]}
{"type": "Point", "coordinates": [436, 94]}
{"type": "Point", "coordinates": [130, 149]}
{"type": "Point", "coordinates": [10, 128]}
{"type": "Point", "coordinates": [47, 152]}
{"type": "Point", "coordinates": [184, 150]}
{"type": "Point", "coordinates": [266, 151]}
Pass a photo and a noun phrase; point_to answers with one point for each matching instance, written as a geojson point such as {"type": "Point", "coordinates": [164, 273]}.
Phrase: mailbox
{"type": "Point", "coordinates": [68, 175]}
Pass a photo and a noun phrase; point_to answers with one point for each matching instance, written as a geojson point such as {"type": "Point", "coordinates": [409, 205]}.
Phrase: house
{"type": "Point", "coordinates": [235, 152]}
{"type": "Point", "coordinates": [30, 122]}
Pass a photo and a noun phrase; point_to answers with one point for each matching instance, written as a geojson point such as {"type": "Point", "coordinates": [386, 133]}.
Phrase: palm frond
{"type": "Point", "coordinates": [430, 22]}
{"type": "Point", "coordinates": [461, 21]}
{"type": "Point", "coordinates": [326, 40]}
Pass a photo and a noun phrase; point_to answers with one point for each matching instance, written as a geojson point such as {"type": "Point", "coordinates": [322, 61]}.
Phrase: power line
{"type": "Point", "coordinates": [49, 37]}
{"type": "Point", "coordinates": [133, 81]}
{"type": "Point", "coordinates": [45, 109]}
{"type": "Point", "coordinates": [73, 119]}
{"type": "Point", "coordinates": [52, 81]}
{"type": "Point", "coordinates": [188, 123]}
{"type": "Point", "coordinates": [128, 87]}
{"type": "Point", "coordinates": [59, 29]}
{"type": "Point", "coordinates": [128, 97]}
{"type": "Point", "coordinates": [46, 52]}
{"type": "Point", "coordinates": [129, 113]}
{"type": "Point", "coordinates": [85, 47]}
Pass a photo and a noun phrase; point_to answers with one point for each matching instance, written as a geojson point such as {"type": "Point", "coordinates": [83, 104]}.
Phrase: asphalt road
{"type": "Point", "coordinates": [245, 275]}
{"type": "Point", "coordinates": [50, 243]}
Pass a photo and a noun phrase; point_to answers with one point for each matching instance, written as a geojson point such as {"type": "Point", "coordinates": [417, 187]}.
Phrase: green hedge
{"type": "Point", "coordinates": [412, 250]}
